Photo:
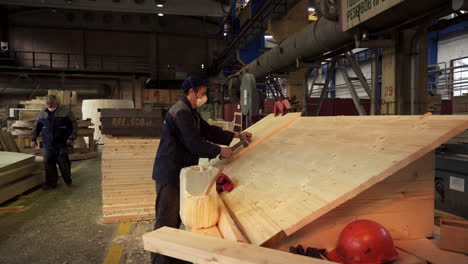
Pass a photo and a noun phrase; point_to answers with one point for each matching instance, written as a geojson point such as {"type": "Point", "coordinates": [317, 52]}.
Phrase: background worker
{"type": "Point", "coordinates": [57, 126]}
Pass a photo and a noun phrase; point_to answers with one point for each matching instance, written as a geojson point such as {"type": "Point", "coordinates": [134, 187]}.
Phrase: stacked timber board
{"type": "Point", "coordinates": [305, 178]}
{"type": "Point", "coordinates": [460, 105]}
{"type": "Point", "coordinates": [434, 103]}
{"type": "Point", "coordinates": [128, 190]}
{"type": "Point", "coordinates": [18, 173]}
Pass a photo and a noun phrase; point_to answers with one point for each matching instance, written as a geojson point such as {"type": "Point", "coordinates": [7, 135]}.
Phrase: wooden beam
{"type": "Point", "coordinates": [226, 225]}
{"type": "Point", "coordinates": [199, 248]}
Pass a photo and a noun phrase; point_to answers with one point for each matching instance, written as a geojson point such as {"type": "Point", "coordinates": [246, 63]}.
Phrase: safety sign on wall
{"type": "Point", "coordinates": [354, 12]}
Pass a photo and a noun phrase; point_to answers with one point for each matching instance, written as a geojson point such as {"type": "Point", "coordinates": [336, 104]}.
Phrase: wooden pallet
{"type": "Point", "coordinates": [128, 190]}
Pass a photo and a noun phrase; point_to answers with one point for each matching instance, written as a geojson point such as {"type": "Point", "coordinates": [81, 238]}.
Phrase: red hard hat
{"type": "Point", "coordinates": [364, 242]}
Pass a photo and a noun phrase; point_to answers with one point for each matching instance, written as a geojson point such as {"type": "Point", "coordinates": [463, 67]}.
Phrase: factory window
{"type": "Point", "coordinates": [460, 76]}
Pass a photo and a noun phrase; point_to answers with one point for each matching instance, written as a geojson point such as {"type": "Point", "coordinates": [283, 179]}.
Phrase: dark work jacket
{"type": "Point", "coordinates": [55, 127]}
{"type": "Point", "coordinates": [184, 139]}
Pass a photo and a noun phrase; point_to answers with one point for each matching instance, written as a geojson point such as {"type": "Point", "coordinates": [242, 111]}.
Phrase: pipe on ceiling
{"type": "Point", "coordinates": [325, 36]}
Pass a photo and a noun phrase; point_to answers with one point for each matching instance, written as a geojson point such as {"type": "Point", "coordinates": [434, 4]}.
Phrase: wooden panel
{"type": "Point", "coordinates": [19, 186]}
{"type": "Point", "coordinates": [199, 248]}
{"type": "Point", "coordinates": [315, 164]}
{"type": "Point", "coordinates": [13, 160]}
{"type": "Point", "coordinates": [16, 173]}
{"type": "Point", "coordinates": [7, 141]}
{"type": "Point", "coordinates": [429, 250]}
{"type": "Point", "coordinates": [403, 203]}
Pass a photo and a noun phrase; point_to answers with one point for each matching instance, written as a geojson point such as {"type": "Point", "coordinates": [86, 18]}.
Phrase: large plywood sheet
{"type": "Point", "coordinates": [299, 170]}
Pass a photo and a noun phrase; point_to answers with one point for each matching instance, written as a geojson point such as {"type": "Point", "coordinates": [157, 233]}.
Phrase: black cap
{"type": "Point", "coordinates": [192, 82]}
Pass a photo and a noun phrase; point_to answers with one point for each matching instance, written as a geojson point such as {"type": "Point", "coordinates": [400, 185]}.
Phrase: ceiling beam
{"type": "Point", "coordinates": [172, 7]}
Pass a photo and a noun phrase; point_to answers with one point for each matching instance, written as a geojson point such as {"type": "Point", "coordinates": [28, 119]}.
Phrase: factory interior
{"type": "Point", "coordinates": [234, 131]}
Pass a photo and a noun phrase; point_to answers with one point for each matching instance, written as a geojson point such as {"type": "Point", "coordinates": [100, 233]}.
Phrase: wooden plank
{"type": "Point", "coordinates": [8, 141]}
{"type": "Point", "coordinates": [200, 248]}
{"type": "Point", "coordinates": [316, 164]}
{"type": "Point", "coordinates": [226, 225]}
{"type": "Point", "coordinates": [19, 186]}
{"type": "Point", "coordinates": [211, 231]}
{"type": "Point", "coordinates": [16, 173]}
{"type": "Point", "coordinates": [430, 251]}
{"type": "Point", "coordinates": [13, 160]}
{"type": "Point", "coordinates": [454, 235]}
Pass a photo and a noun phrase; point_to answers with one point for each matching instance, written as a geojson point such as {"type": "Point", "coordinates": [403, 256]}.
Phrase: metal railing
{"type": "Point", "coordinates": [448, 81]}
{"type": "Point", "coordinates": [55, 60]}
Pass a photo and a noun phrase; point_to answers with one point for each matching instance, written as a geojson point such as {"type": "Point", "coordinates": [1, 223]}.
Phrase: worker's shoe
{"type": "Point", "coordinates": [68, 182]}
{"type": "Point", "coordinates": [46, 187]}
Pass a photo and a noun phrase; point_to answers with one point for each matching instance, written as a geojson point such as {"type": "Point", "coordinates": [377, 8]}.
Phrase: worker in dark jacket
{"type": "Point", "coordinates": [57, 126]}
{"type": "Point", "coordinates": [185, 138]}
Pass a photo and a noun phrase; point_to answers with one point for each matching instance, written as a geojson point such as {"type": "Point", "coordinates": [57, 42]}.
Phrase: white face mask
{"type": "Point", "coordinates": [52, 109]}
{"type": "Point", "coordinates": [202, 101]}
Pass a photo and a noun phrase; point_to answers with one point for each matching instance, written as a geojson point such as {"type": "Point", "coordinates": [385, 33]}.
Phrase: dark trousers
{"type": "Point", "coordinates": [167, 214]}
{"type": "Point", "coordinates": [52, 157]}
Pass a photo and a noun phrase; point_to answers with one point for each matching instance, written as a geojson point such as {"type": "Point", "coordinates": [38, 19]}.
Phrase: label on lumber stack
{"type": "Point", "coordinates": [128, 190]}
{"type": "Point", "coordinates": [131, 122]}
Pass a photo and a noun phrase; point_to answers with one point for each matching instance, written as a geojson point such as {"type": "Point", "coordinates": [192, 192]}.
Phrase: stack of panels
{"type": "Point", "coordinates": [434, 104]}
{"type": "Point", "coordinates": [460, 105]}
{"type": "Point", "coordinates": [18, 173]}
{"type": "Point", "coordinates": [128, 190]}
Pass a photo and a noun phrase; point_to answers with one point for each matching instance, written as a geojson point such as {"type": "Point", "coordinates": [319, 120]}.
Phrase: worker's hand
{"type": "Point", "coordinates": [70, 142]}
{"type": "Point", "coordinates": [33, 144]}
{"type": "Point", "coordinates": [247, 135]}
{"type": "Point", "coordinates": [226, 153]}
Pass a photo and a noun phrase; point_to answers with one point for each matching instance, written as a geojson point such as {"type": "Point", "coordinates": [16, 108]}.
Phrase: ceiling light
{"type": "Point", "coordinates": [160, 5]}
{"type": "Point", "coordinates": [160, 14]}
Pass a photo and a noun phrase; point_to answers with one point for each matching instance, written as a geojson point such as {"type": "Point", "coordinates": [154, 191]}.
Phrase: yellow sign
{"type": "Point", "coordinates": [354, 12]}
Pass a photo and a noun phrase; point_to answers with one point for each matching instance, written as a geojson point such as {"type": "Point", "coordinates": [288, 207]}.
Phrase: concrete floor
{"type": "Point", "coordinates": [63, 225]}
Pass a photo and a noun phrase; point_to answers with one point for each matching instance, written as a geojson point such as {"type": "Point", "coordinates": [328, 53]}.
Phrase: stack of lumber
{"type": "Point", "coordinates": [22, 129]}
{"type": "Point", "coordinates": [18, 173]}
{"type": "Point", "coordinates": [161, 96]}
{"type": "Point", "coordinates": [128, 190]}
{"type": "Point", "coordinates": [225, 125]}
{"type": "Point", "coordinates": [34, 106]}
{"type": "Point", "coordinates": [3, 113]}
{"type": "Point", "coordinates": [460, 105]}
{"type": "Point", "coordinates": [433, 103]}
{"type": "Point", "coordinates": [7, 141]}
